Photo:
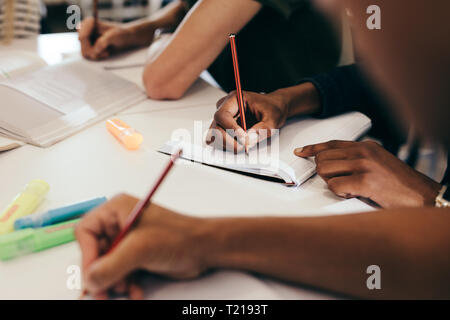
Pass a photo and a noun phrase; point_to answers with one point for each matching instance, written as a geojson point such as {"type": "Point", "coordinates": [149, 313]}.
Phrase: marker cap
{"type": "Point", "coordinates": [29, 240]}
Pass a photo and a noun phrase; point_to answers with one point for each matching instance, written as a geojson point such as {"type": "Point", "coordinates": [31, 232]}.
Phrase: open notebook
{"type": "Point", "coordinates": [275, 160]}
{"type": "Point", "coordinates": [44, 104]}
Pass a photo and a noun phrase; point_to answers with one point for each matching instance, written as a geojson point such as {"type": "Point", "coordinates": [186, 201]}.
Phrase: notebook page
{"type": "Point", "coordinates": [275, 158]}
{"type": "Point", "coordinates": [254, 163]}
{"type": "Point", "coordinates": [71, 86]}
{"type": "Point", "coordinates": [62, 99]}
{"type": "Point", "coordinates": [16, 62]}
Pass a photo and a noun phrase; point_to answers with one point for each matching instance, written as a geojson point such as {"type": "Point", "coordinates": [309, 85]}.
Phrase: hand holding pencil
{"type": "Point", "coordinates": [125, 235]}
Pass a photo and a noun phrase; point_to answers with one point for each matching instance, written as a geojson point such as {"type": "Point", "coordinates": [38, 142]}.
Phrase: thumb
{"type": "Point", "coordinates": [85, 28]}
{"type": "Point", "coordinates": [114, 266]}
{"type": "Point", "coordinates": [101, 44]}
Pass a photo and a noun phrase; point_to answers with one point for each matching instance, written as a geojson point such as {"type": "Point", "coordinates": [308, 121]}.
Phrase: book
{"type": "Point", "coordinates": [43, 104]}
{"type": "Point", "coordinates": [274, 159]}
{"type": "Point", "coordinates": [8, 144]}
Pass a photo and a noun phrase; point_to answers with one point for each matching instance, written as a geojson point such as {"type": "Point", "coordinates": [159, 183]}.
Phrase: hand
{"type": "Point", "coordinates": [366, 169]}
{"type": "Point", "coordinates": [112, 38]}
{"type": "Point", "coordinates": [264, 112]}
{"type": "Point", "coordinates": [162, 242]}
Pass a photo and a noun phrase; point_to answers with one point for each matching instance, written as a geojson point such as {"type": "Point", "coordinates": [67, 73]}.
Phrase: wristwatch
{"type": "Point", "coordinates": [443, 198]}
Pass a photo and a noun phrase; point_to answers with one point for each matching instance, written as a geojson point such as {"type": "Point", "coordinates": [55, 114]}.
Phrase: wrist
{"type": "Point", "coordinates": [302, 99]}
{"type": "Point", "coordinates": [141, 34]}
{"type": "Point", "coordinates": [228, 243]}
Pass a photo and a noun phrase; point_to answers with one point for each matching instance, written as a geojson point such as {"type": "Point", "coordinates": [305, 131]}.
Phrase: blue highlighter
{"type": "Point", "coordinates": [58, 215]}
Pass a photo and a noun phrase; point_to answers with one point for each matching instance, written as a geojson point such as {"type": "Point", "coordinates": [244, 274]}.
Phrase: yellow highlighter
{"type": "Point", "coordinates": [23, 204]}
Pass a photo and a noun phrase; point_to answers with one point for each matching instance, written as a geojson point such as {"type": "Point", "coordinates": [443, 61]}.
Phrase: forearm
{"type": "Point", "coordinates": [334, 252]}
{"type": "Point", "coordinates": [198, 40]}
{"type": "Point", "coordinates": [168, 17]}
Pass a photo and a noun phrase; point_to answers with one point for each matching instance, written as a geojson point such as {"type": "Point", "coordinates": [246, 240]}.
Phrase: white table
{"type": "Point", "coordinates": [92, 163]}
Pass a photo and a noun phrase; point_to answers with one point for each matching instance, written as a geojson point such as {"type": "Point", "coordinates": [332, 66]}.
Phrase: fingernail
{"type": "Point", "coordinates": [208, 137]}
{"type": "Point", "coordinates": [298, 150]}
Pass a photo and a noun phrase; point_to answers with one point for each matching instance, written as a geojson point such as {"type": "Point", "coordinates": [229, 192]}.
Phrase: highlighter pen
{"type": "Point", "coordinates": [23, 204]}
{"type": "Point", "coordinates": [29, 240]}
{"type": "Point", "coordinates": [129, 137]}
{"type": "Point", "coordinates": [58, 215]}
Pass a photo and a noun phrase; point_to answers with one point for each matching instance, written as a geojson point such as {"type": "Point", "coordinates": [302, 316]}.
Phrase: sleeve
{"type": "Point", "coordinates": [341, 90]}
{"type": "Point", "coordinates": [446, 179]}
{"type": "Point", "coordinates": [190, 3]}
{"type": "Point", "coordinates": [347, 89]}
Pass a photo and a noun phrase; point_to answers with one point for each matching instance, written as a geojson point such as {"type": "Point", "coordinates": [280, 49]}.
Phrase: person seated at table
{"type": "Point", "coordinates": [409, 245]}
{"type": "Point", "coordinates": [351, 169]}
{"type": "Point", "coordinates": [279, 42]}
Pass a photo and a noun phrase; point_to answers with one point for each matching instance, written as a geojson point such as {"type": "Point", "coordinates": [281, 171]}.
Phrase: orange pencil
{"type": "Point", "coordinates": [240, 96]}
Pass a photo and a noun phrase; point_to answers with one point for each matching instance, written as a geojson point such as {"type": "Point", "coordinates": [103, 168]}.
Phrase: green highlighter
{"type": "Point", "coordinates": [29, 240]}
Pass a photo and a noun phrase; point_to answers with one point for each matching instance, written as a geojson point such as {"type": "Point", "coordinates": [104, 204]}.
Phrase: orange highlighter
{"type": "Point", "coordinates": [129, 137]}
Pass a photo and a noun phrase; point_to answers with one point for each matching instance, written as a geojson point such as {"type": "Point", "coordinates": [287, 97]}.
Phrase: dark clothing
{"type": "Point", "coordinates": [446, 179]}
{"type": "Point", "coordinates": [285, 41]}
{"type": "Point", "coordinates": [346, 89]}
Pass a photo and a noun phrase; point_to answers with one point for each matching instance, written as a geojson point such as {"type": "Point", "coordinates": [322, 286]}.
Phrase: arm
{"type": "Point", "coordinates": [333, 253]}
{"type": "Point", "coordinates": [197, 42]}
{"type": "Point", "coordinates": [115, 37]}
{"type": "Point", "coordinates": [409, 245]}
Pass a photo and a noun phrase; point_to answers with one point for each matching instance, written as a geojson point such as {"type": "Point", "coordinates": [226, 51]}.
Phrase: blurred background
{"type": "Point", "coordinates": [21, 18]}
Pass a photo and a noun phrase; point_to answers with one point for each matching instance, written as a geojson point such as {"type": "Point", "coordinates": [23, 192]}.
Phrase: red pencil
{"type": "Point", "coordinates": [140, 207]}
{"type": "Point", "coordinates": [240, 97]}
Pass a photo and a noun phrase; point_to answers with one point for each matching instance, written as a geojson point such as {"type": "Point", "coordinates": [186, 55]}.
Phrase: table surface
{"type": "Point", "coordinates": [92, 163]}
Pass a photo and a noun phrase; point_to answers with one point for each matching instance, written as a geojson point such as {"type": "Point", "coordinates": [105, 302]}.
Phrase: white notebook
{"type": "Point", "coordinates": [276, 160]}
{"type": "Point", "coordinates": [46, 105]}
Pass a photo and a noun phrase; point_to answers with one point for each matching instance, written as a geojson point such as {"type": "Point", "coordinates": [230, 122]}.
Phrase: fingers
{"type": "Point", "coordinates": [332, 168]}
{"type": "Point", "coordinates": [135, 292]}
{"type": "Point", "coordinates": [222, 139]}
{"type": "Point", "coordinates": [110, 269]}
{"type": "Point", "coordinates": [85, 29]}
{"type": "Point", "coordinates": [358, 185]}
{"type": "Point", "coordinates": [84, 35]}
{"type": "Point", "coordinates": [99, 227]}
{"type": "Point", "coordinates": [87, 233]}
{"type": "Point", "coordinates": [224, 128]}
{"type": "Point", "coordinates": [259, 132]}
{"type": "Point", "coordinates": [221, 101]}
{"type": "Point", "coordinates": [227, 115]}
{"type": "Point", "coordinates": [314, 149]}
{"type": "Point", "coordinates": [97, 50]}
